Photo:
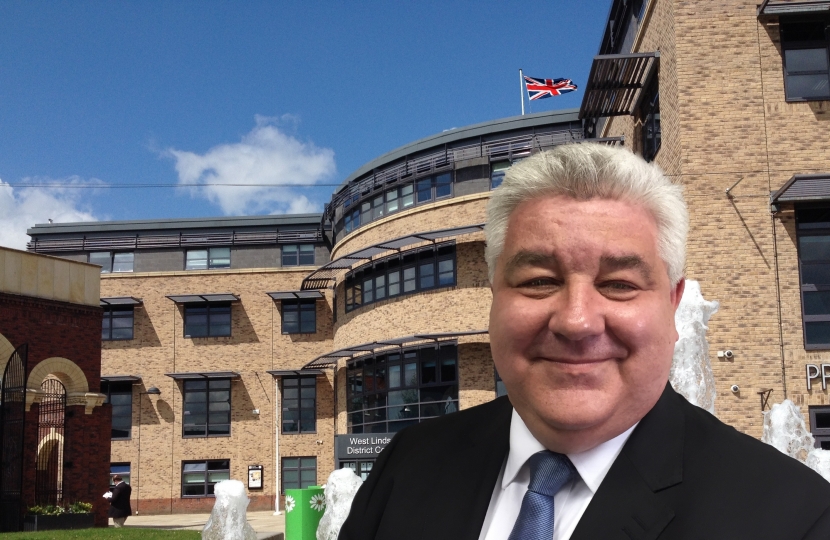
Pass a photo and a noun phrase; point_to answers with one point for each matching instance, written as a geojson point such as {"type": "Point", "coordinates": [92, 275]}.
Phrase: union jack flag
{"type": "Point", "coordinates": [545, 88]}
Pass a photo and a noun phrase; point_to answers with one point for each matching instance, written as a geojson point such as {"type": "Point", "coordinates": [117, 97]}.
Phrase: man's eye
{"type": "Point", "coordinates": [538, 282]}
{"type": "Point", "coordinates": [618, 286]}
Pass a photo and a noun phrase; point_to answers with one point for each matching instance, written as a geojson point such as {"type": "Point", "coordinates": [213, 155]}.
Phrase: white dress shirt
{"type": "Point", "coordinates": [569, 503]}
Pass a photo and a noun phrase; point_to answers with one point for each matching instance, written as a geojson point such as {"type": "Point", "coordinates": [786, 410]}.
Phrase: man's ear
{"type": "Point", "coordinates": [677, 292]}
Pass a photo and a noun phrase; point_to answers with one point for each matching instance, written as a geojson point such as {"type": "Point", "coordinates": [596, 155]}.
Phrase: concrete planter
{"type": "Point", "coordinates": [63, 521]}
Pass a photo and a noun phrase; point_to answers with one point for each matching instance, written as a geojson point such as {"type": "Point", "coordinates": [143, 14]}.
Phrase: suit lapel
{"type": "Point", "coordinates": [626, 505]}
{"type": "Point", "coordinates": [458, 509]}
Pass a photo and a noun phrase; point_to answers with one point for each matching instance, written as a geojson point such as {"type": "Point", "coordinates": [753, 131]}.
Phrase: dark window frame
{"type": "Point", "coordinates": [300, 253]}
{"type": "Point", "coordinates": [393, 269]}
{"type": "Point", "coordinates": [298, 408]}
{"type": "Point", "coordinates": [208, 484]}
{"type": "Point", "coordinates": [651, 134]}
{"type": "Point", "coordinates": [396, 389]}
{"type": "Point", "coordinates": [211, 310]}
{"type": "Point", "coordinates": [112, 313]}
{"type": "Point", "coordinates": [299, 307]}
{"type": "Point", "coordinates": [110, 267]}
{"type": "Point", "coordinates": [211, 386]}
{"type": "Point", "coordinates": [209, 259]}
{"type": "Point", "coordinates": [803, 44]}
{"type": "Point", "coordinates": [126, 389]}
{"type": "Point", "coordinates": [821, 435]}
{"type": "Point", "coordinates": [299, 470]}
{"type": "Point", "coordinates": [807, 228]}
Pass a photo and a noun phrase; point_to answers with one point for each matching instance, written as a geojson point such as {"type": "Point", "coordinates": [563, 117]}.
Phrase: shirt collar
{"type": "Point", "coordinates": [592, 465]}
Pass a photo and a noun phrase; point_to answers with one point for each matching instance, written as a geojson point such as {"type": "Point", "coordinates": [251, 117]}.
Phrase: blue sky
{"type": "Point", "coordinates": [113, 93]}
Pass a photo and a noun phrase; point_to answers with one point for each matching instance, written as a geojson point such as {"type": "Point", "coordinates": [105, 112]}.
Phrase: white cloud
{"type": "Point", "coordinates": [267, 155]}
{"type": "Point", "coordinates": [22, 207]}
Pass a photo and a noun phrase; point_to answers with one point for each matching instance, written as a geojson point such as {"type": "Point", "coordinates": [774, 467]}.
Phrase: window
{"type": "Point", "coordinates": [117, 323]}
{"type": "Point", "coordinates": [113, 262]}
{"type": "Point", "coordinates": [199, 477]}
{"type": "Point", "coordinates": [299, 404]}
{"type": "Point", "coordinates": [122, 470]}
{"type": "Point", "coordinates": [207, 320]}
{"type": "Point", "coordinates": [208, 258]}
{"type": "Point", "coordinates": [392, 276]}
{"type": "Point", "coordinates": [120, 396]}
{"type": "Point", "coordinates": [804, 46]}
{"type": "Point", "coordinates": [389, 392]}
{"type": "Point", "coordinates": [298, 472]}
{"type": "Point", "coordinates": [360, 468]}
{"type": "Point", "coordinates": [820, 426]}
{"type": "Point", "coordinates": [299, 316]}
{"type": "Point", "coordinates": [207, 408]}
{"type": "Point", "coordinates": [649, 113]}
{"type": "Point", "coordinates": [497, 172]}
{"type": "Point", "coordinates": [298, 255]}
{"type": "Point", "coordinates": [813, 226]}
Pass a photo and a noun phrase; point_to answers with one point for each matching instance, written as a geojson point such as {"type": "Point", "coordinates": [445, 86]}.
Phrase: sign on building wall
{"type": "Point", "coordinates": [254, 476]}
{"type": "Point", "coordinates": [361, 446]}
{"type": "Point", "coordinates": [815, 372]}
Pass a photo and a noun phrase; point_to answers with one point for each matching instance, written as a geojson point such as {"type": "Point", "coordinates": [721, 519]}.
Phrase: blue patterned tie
{"type": "Point", "coordinates": [549, 471]}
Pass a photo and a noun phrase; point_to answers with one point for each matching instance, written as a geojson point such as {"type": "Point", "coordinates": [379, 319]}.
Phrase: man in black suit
{"type": "Point", "coordinates": [586, 253]}
{"type": "Point", "coordinates": [120, 508]}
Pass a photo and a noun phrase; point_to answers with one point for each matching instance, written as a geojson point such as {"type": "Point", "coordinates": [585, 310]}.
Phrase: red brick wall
{"type": "Point", "coordinates": [71, 331]}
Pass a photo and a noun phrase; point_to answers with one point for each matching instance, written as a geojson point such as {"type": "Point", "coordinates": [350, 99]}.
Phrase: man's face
{"type": "Point", "coordinates": [582, 321]}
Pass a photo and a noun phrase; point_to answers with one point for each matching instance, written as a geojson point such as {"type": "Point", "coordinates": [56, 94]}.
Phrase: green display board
{"type": "Point", "coordinates": [303, 510]}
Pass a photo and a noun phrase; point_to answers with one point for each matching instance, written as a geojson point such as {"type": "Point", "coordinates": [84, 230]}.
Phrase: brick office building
{"type": "Point", "coordinates": [732, 99]}
{"type": "Point", "coordinates": [220, 336]}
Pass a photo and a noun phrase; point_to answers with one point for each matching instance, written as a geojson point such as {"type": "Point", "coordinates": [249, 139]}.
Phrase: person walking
{"type": "Point", "coordinates": [120, 508]}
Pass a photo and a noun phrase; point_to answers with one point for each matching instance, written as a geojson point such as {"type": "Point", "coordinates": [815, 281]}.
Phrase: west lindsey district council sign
{"type": "Point", "coordinates": [361, 446]}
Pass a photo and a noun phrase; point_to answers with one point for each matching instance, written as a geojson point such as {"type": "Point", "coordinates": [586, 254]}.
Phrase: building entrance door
{"type": "Point", "coordinates": [360, 468]}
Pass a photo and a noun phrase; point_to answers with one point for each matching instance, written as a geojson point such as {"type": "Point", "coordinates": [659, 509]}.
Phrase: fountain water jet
{"type": "Point", "coordinates": [340, 489]}
{"type": "Point", "coordinates": [227, 519]}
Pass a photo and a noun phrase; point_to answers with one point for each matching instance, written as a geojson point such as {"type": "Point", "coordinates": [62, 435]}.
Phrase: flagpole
{"type": "Point", "coordinates": [522, 89]}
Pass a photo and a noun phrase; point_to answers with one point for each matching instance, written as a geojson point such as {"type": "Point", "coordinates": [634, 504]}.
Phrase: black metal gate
{"type": "Point", "coordinates": [12, 423]}
{"type": "Point", "coordinates": [50, 432]}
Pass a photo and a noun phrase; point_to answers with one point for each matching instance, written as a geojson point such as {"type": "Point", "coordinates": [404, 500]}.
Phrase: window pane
{"type": "Point", "coordinates": [409, 279]}
{"type": "Point", "coordinates": [814, 248]}
{"type": "Point", "coordinates": [443, 185]}
{"type": "Point", "coordinates": [394, 282]}
{"type": "Point", "coordinates": [808, 86]}
{"type": "Point", "coordinates": [407, 196]}
{"type": "Point", "coordinates": [366, 212]}
{"type": "Point", "coordinates": [429, 373]}
{"type": "Point", "coordinates": [123, 262]}
{"type": "Point", "coordinates": [446, 272]}
{"type": "Point", "coordinates": [805, 60]}
{"type": "Point", "coordinates": [290, 255]}
{"type": "Point", "coordinates": [368, 291]}
{"type": "Point", "coordinates": [104, 258]}
{"type": "Point", "coordinates": [817, 303]}
{"type": "Point", "coordinates": [391, 200]}
{"type": "Point", "coordinates": [290, 478]}
{"type": "Point", "coordinates": [448, 370]}
{"type": "Point", "coordinates": [427, 274]}
{"type": "Point", "coordinates": [424, 189]}
{"type": "Point", "coordinates": [308, 463]}
{"type": "Point", "coordinates": [308, 322]}
{"type": "Point", "coordinates": [822, 421]}
{"type": "Point", "coordinates": [411, 374]}
{"type": "Point", "coordinates": [196, 259]}
{"type": "Point", "coordinates": [380, 287]}
{"type": "Point", "coordinates": [220, 257]}
{"type": "Point", "coordinates": [394, 376]}
{"type": "Point", "coordinates": [817, 333]}
{"type": "Point", "coordinates": [307, 254]}
{"type": "Point", "coordinates": [377, 207]}
{"type": "Point", "coordinates": [815, 274]}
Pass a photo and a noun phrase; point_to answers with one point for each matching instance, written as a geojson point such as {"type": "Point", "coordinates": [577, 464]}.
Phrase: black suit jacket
{"type": "Point", "coordinates": [120, 502]}
{"type": "Point", "coordinates": [682, 474]}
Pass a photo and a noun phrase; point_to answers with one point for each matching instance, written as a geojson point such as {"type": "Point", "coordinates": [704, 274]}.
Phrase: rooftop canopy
{"type": "Point", "coordinates": [203, 375]}
{"type": "Point", "coordinates": [331, 358]}
{"type": "Point", "coordinates": [803, 188]}
{"type": "Point", "coordinates": [324, 275]}
{"type": "Point", "coordinates": [204, 298]}
{"type": "Point", "coordinates": [120, 301]}
{"type": "Point", "coordinates": [784, 7]}
{"type": "Point", "coordinates": [295, 295]}
{"type": "Point", "coordinates": [120, 378]}
{"type": "Point", "coordinates": [615, 83]}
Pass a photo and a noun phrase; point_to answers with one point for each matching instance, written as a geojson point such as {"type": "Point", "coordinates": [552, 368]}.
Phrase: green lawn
{"type": "Point", "coordinates": [112, 533]}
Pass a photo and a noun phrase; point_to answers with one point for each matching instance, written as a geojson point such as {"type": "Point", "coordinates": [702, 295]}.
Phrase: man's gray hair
{"type": "Point", "coordinates": [593, 171]}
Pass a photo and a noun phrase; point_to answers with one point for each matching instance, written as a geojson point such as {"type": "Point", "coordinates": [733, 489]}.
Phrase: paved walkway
{"type": "Point", "coordinates": [266, 524]}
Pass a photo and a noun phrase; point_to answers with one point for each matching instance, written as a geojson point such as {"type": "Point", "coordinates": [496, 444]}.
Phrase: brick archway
{"type": "Point", "coordinates": [6, 350]}
{"type": "Point", "coordinates": [73, 379]}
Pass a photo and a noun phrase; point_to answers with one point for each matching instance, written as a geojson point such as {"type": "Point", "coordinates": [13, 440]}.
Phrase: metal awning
{"type": "Point", "coordinates": [615, 83]}
{"type": "Point", "coordinates": [295, 372]}
{"type": "Point", "coordinates": [803, 188]}
{"type": "Point", "coordinates": [783, 7]}
{"type": "Point", "coordinates": [204, 298]}
{"type": "Point", "coordinates": [331, 358]}
{"type": "Point", "coordinates": [120, 301]}
{"type": "Point", "coordinates": [120, 378]}
{"type": "Point", "coordinates": [296, 295]}
{"type": "Point", "coordinates": [323, 276]}
{"type": "Point", "coordinates": [204, 375]}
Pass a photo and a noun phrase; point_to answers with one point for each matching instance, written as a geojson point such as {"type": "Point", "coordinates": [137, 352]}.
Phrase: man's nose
{"type": "Point", "coordinates": [577, 312]}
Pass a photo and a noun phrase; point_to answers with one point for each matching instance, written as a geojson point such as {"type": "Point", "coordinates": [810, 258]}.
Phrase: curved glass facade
{"type": "Point", "coordinates": [388, 392]}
